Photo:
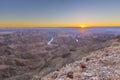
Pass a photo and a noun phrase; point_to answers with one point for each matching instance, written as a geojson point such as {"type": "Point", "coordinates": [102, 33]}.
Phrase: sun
{"type": "Point", "coordinates": [82, 26]}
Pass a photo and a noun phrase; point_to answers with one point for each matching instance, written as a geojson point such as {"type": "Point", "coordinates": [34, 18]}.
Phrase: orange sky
{"type": "Point", "coordinates": [58, 25]}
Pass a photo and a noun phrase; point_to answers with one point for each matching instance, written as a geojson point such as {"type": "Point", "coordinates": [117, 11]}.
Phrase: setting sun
{"type": "Point", "coordinates": [82, 26]}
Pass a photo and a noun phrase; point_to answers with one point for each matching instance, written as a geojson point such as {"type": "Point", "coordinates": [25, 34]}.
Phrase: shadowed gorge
{"type": "Point", "coordinates": [26, 52]}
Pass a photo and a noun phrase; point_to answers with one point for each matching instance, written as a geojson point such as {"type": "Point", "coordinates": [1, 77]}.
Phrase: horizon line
{"type": "Point", "coordinates": [61, 27]}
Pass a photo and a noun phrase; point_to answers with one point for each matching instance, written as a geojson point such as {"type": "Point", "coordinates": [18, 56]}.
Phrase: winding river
{"type": "Point", "coordinates": [51, 40]}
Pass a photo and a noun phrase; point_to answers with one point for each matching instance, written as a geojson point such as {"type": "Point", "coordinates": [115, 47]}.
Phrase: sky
{"type": "Point", "coordinates": [59, 13]}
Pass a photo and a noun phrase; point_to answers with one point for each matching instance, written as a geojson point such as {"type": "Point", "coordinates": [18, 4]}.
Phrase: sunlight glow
{"type": "Point", "coordinates": [82, 26]}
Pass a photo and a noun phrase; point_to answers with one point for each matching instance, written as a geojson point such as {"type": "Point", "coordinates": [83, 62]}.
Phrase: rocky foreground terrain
{"type": "Point", "coordinates": [102, 64]}
{"type": "Point", "coordinates": [25, 53]}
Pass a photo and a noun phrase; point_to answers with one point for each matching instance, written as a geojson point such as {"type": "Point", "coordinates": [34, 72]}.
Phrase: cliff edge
{"type": "Point", "coordinates": [99, 65]}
